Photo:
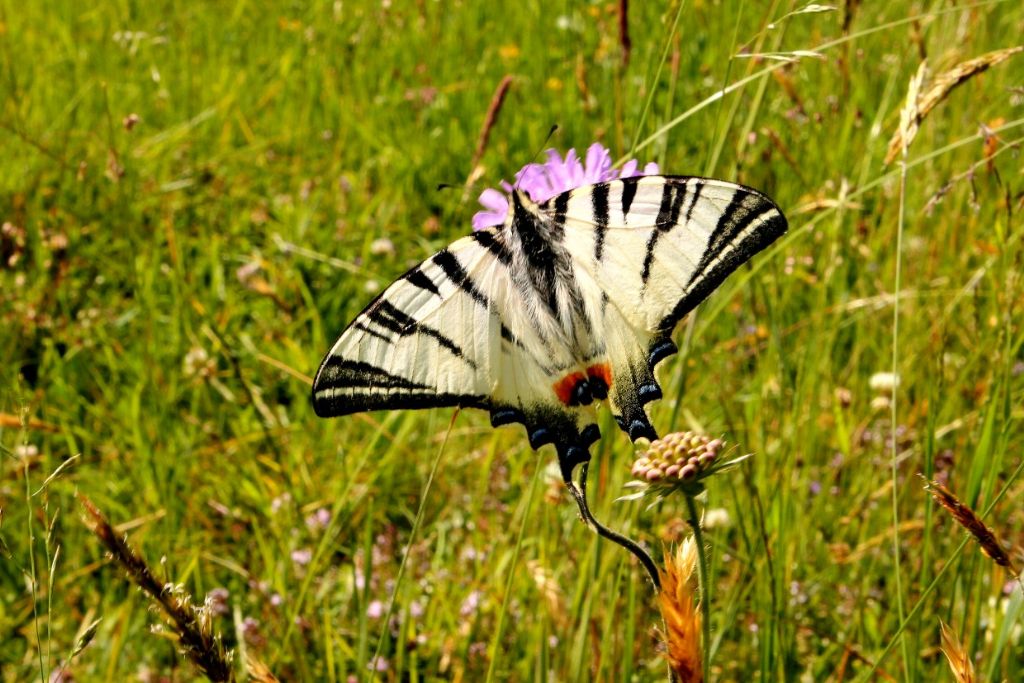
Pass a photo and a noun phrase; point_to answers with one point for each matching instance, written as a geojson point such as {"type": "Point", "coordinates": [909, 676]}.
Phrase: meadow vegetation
{"type": "Point", "coordinates": [197, 197]}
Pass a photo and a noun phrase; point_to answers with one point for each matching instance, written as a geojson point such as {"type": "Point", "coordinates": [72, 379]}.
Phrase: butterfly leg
{"type": "Point", "coordinates": [568, 462]}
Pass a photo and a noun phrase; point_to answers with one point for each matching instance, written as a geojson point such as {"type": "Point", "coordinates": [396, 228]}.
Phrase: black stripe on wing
{"type": "Point", "coordinates": [668, 219]}
{"type": "Point", "coordinates": [599, 205]}
{"type": "Point", "coordinates": [418, 278]}
{"type": "Point", "coordinates": [628, 194]}
{"type": "Point", "coordinates": [346, 386]}
{"type": "Point", "coordinates": [561, 204]}
{"type": "Point", "coordinates": [698, 186]}
{"type": "Point", "coordinates": [453, 270]}
{"type": "Point", "coordinates": [733, 242]}
{"type": "Point", "coordinates": [339, 372]}
{"type": "Point", "coordinates": [390, 317]}
{"type": "Point", "coordinates": [490, 241]}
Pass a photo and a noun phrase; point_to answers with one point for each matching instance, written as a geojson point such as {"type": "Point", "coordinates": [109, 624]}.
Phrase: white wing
{"type": "Point", "coordinates": [456, 330]}
{"type": "Point", "coordinates": [652, 248]}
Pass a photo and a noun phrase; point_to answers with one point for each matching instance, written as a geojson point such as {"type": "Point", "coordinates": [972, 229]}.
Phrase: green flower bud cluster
{"type": "Point", "coordinates": [680, 456]}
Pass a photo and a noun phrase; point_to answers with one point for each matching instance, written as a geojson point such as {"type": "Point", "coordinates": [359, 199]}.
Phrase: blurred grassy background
{"type": "Point", "coordinates": [191, 195]}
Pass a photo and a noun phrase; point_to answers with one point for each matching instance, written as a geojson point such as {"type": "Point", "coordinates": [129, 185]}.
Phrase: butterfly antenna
{"type": "Point", "coordinates": [547, 139]}
{"type": "Point", "coordinates": [579, 493]}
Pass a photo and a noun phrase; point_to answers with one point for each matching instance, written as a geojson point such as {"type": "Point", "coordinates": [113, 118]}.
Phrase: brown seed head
{"type": "Point", "coordinates": [959, 659]}
{"type": "Point", "coordinates": [680, 613]}
{"type": "Point", "coordinates": [967, 518]}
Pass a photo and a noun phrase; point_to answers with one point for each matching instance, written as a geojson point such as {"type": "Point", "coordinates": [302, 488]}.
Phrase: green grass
{"type": "Point", "coordinates": [132, 340]}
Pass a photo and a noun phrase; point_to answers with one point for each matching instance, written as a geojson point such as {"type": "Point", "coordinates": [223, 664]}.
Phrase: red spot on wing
{"type": "Point", "coordinates": [565, 387]}
{"type": "Point", "coordinates": [602, 371]}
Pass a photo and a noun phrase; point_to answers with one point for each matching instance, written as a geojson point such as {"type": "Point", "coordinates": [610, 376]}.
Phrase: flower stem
{"type": "Point", "coordinates": [579, 494]}
{"type": "Point", "coordinates": [702, 576]}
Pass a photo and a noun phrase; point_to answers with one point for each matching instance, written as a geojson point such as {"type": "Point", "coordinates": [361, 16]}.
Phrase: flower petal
{"type": "Point", "coordinates": [598, 167]}
{"type": "Point", "coordinates": [553, 177]}
{"type": "Point", "coordinates": [493, 200]}
{"type": "Point", "coordinates": [497, 209]}
{"type": "Point", "coordinates": [533, 180]}
{"type": "Point", "coordinates": [486, 219]}
{"type": "Point", "coordinates": [574, 172]}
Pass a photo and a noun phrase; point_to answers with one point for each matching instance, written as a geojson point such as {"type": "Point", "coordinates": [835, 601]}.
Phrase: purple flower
{"type": "Point", "coordinates": [319, 519]}
{"type": "Point", "coordinates": [553, 177]}
{"type": "Point", "coordinates": [252, 633]}
{"type": "Point", "coordinates": [302, 557]}
{"type": "Point", "coordinates": [470, 604]}
{"type": "Point", "coordinates": [375, 610]}
{"type": "Point", "coordinates": [496, 204]}
{"type": "Point", "coordinates": [217, 601]}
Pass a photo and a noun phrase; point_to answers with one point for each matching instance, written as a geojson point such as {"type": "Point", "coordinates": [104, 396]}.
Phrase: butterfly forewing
{"type": "Point", "coordinates": [424, 342]}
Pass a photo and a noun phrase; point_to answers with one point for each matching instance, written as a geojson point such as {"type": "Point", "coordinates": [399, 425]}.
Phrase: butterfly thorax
{"type": "Point", "coordinates": [544, 278]}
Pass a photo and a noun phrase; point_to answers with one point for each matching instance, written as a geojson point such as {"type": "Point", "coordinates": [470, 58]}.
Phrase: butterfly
{"type": "Point", "coordinates": [569, 303]}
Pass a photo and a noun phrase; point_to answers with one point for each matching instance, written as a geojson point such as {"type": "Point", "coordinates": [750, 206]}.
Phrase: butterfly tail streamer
{"type": "Point", "coordinates": [579, 494]}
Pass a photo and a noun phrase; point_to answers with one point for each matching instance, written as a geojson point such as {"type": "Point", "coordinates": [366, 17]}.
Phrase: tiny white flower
{"type": "Point", "coordinates": [382, 246]}
{"type": "Point", "coordinates": [717, 518]}
{"type": "Point", "coordinates": [880, 403]}
{"type": "Point", "coordinates": [884, 382]}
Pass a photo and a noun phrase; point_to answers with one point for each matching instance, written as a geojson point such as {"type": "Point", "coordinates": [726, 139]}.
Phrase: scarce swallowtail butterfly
{"type": "Point", "coordinates": [570, 302]}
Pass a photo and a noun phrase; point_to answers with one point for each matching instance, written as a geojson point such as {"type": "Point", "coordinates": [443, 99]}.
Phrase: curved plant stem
{"type": "Point", "coordinates": [579, 493]}
{"type": "Point", "coordinates": [702, 575]}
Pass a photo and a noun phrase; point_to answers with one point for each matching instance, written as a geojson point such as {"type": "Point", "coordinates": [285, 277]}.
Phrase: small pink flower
{"type": "Point", "coordinates": [470, 604]}
{"type": "Point", "coordinates": [379, 664]}
{"type": "Point", "coordinates": [319, 519]}
{"type": "Point", "coordinates": [217, 601]}
{"type": "Point", "coordinates": [375, 610]}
